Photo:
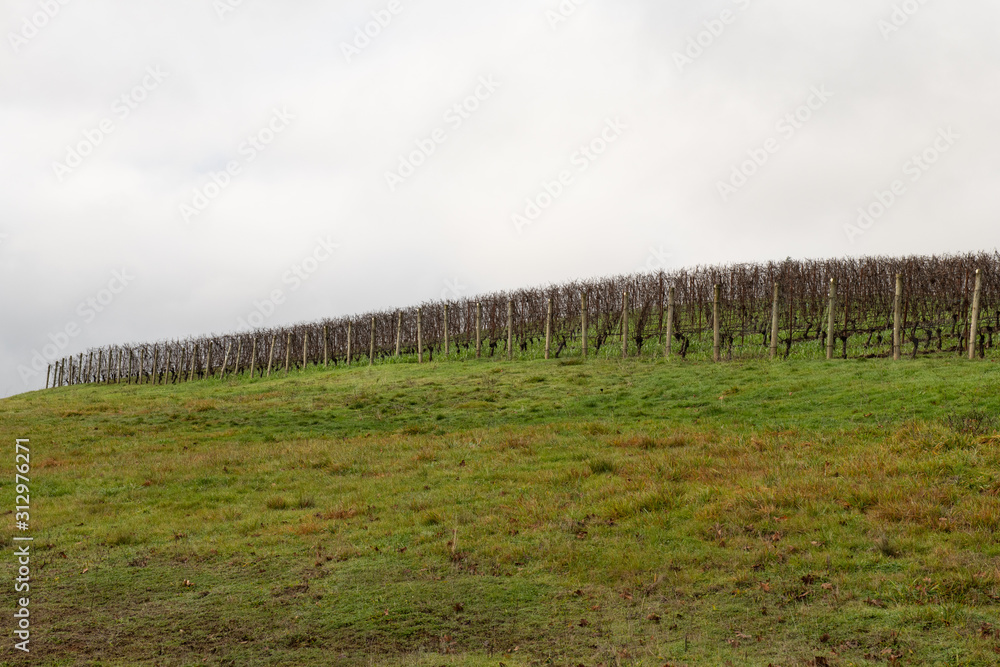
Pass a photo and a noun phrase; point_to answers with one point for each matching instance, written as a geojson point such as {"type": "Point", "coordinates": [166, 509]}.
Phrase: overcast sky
{"type": "Point", "coordinates": [177, 160]}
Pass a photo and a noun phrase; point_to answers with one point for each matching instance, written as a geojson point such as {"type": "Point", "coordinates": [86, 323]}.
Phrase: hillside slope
{"type": "Point", "coordinates": [482, 513]}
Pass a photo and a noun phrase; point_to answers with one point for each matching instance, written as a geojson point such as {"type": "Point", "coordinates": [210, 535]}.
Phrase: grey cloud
{"type": "Point", "coordinates": [655, 188]}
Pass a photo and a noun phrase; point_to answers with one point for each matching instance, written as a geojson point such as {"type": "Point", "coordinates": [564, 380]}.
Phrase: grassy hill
{"type": "Point", "coordinates": [483, 513]}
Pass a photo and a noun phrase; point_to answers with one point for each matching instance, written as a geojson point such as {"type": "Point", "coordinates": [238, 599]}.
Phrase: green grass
{"type": "Point", "coordinates": [485, 513]}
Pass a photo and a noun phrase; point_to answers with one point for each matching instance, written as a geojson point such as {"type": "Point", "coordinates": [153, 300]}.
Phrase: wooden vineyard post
{"type": "Point", "coordinates": [305, 349]}
{"type": "Point", "coordinates": [974, 323]}
{"type": "Point", "coordinates": [510, 329]}
{"type": "Point", "coordinates": [399, 333]}
{"type": "Point", "coordinates": [270, 354]}
{"type": "Point", "coordinates": [446, 330]}
{"type": "Point", "coordinates": [371, 345]}
{"type": "Point", "coordinates": [166, 367]}
{"type": "Point", "coordinates": [832, 319]}
{"type": "Point", "coordinates": [583, 324]}
{"type": "Point", "coordinates": [90, 369]}
{"type": "Point", "coordinates": [239, 357]}
{"type": "Point", "coordinates": [716, 347]}
{"type": "Point", "coordinates": [194, 362]}
{"type": "Point", "coordinates": [253, 358]}
{"type": "Point", "coordinates": [349, 341]}
{"type": "Point", "coordinates": [897, 319]}
{"type": "Point", "coordinates": [548, 328]}
{"type": "Point", "coordinates": [121, 358]}
{"type": "Point", "coordinates": [670, 322]}
{"type": "Point", "coordinates": [156, 364]}
{"type": "Point", "coordinates": [774, 323]}
{"type": "Point", "coordinates": [209, 373]}
{"type": "Point", "coordinates": [288, 351]}
{"type": "Point", "coordinates": [420, 337]}
{"type": "Point", "coordinates": [225, 360]}
{"type": "Point", "coordinates": [479, 329]}
{"type": "Point", "coordinates": [624, 325]}
{"type": "Point", "coordinates": [47, 374]}
{"type": "Point", "coordinates": [326, 346]}
{"type": "Point", "coordinates": [100, 363]}
{"type": "Point", "coordinates": [660, 304]}
{"type": "Point", "coordinates": [142, 365]}
{"type": "Point", "coordinates": [79, 370]}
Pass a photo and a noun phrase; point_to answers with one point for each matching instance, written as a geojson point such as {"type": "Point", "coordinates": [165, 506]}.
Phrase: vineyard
{"type": "Point", "coordinates": [838, 308]}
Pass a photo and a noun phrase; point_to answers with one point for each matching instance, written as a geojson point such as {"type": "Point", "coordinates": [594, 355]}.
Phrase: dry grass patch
{"type": "Point", "coordinates": [201, 405]}
{"type": "Point", "coordinates": [340, 513]}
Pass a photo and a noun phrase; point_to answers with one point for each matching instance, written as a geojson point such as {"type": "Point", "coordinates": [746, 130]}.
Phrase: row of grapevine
{"type": "Point", "coordinates": [626, 315]}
